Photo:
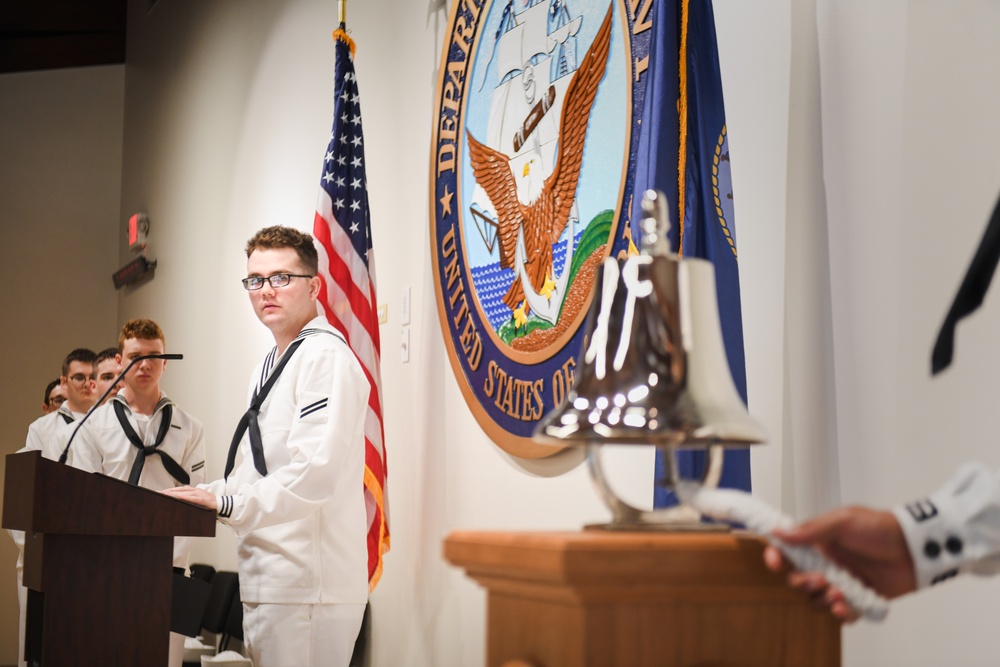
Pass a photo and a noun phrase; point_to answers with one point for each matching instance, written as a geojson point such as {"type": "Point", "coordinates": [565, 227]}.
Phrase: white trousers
{"type": "Point", "coordinates": [175, 656]}
{"type": "Point", "coordinates": [22, 603]}
{"type": "Point", "coordinates": [308, 635]}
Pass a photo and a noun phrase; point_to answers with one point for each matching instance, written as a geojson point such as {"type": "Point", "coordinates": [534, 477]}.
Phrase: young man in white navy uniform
{"type": "Point", "coordinates": [115, 441]}
{"type": "Point", "coordinates": [106, 369]}
{"type": "Point", "coordinates": [296, 501]}
{"type": "Point", "coordinates": [55, 396]}
{"type": "Point", "coordinates": [49, 434]}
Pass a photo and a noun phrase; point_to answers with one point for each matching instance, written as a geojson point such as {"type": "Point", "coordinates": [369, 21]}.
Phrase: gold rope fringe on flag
{"type": "Point", "coordinates": [375, 488]}
{"type": "Point", "coordinates": [342, 35]}
{"type": "Point", "coordinates": [682, 117]}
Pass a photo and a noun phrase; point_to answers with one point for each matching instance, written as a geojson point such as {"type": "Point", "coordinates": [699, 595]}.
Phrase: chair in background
{"type": "Point", "coordinates": [225, 587]}
{"type": "Point", "coordinates": [202, 571]}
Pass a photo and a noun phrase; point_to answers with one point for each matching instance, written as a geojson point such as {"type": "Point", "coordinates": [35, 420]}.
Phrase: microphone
{"type": "Point", "coordinates": [65, 452]}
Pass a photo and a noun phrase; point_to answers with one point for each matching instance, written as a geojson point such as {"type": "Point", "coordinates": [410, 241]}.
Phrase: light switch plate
{"type": "Point", "coordinates": [404, 315]}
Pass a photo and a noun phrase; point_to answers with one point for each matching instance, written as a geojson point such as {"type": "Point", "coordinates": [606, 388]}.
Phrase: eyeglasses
{"type": "Point", "coordinates": [56, 401]}
{"type": "Point", "coordinates": [277, 280]}
{"type": "Point", "coordinates": [80, 378]}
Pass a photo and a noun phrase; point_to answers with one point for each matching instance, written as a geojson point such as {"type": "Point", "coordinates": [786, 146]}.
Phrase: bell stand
{"type": "Point", "coordinates": [680, 518]}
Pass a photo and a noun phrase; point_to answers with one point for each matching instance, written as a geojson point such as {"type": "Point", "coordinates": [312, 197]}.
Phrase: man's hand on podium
{"type": "Point", "coordinates": [868, 543]}
{"type": "Point", "coordinates": [193, 495]}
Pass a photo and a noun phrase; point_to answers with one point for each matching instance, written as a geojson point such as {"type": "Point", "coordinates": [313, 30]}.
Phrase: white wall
{"type": "Point", "coordinates": [863, 169]}
{"type": "Point", "coordinates": [909, 135]}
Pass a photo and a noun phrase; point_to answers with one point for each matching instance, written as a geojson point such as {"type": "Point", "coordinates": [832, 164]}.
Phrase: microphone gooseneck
{"type": "Point", "coordinates": [65, 451]}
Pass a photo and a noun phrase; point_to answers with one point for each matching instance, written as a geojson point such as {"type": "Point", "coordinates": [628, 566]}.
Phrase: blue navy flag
{"type": "Point", "coordinates": [684, 152]}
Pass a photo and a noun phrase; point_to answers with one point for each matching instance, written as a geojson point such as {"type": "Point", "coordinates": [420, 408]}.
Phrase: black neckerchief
{"type": "Point", "coordinates": [970, 294]}
{"type": "Point", "coordinates": [171, 466]}
{"type": "Point", "coordinates": [249, 419]}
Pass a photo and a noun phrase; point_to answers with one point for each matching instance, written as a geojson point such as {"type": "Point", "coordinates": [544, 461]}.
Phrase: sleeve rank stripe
{"type": "Point", "coordinates": [315, 407]}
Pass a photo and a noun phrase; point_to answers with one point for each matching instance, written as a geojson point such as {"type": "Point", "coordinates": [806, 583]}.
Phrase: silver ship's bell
{"type": "Point", "coordinates": [653, 372]}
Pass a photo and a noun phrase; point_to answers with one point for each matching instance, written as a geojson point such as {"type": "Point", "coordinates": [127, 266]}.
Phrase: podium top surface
{"type": "Point", "coordinates": [652, 558]}
{"type": "Point", "coordinates": [43, 496]}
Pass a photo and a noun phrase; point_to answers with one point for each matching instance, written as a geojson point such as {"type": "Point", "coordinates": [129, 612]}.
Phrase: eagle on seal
{"type": "Point", "coordinates": [544, 217]}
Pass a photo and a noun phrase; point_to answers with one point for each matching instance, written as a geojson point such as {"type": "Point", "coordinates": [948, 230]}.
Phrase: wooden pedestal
{"type": "Point", "coordinates": [605, 599]}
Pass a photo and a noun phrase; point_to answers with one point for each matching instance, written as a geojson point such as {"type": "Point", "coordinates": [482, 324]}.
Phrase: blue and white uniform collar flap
{"type": "Point", "coordinates": [162, 403]}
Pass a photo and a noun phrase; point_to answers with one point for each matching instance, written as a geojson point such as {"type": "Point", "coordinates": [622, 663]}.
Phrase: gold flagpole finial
{"type": "Point", "coordinates": [341, 31]}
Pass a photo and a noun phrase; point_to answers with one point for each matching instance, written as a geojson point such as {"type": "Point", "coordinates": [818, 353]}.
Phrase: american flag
{"type": "Point", "coordinates": [342, 229]}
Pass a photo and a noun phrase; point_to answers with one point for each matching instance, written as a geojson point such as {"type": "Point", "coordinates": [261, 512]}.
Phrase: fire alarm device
{"type": "Point", "coordinates": [138, 227]}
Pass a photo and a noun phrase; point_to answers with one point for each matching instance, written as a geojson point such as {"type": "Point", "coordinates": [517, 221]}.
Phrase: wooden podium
{"type": "Point", "coordinates": [597, 599]}
{"type": "Point", "coordinates": [98, 558]}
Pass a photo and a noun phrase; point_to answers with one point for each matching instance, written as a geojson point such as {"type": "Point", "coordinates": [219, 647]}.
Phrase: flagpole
{"type": "Point", "coordinates": [341, 31]}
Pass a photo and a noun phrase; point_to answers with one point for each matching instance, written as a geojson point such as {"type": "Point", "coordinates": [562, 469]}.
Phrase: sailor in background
{"type": "Point", "coordinates": [55, 396]}
{"type": "Point", "coordinates": [49, 434]}
{"type": "Point", "coordinates": [141, 436]}
{"type": "Point", "coordinates": [106, 369]}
